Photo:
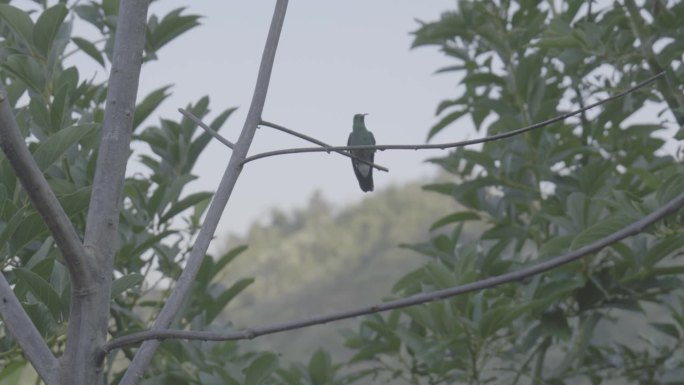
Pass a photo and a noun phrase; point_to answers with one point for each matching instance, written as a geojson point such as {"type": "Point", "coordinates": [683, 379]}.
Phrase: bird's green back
{"type": "Point", "coordinates": [360, 134]}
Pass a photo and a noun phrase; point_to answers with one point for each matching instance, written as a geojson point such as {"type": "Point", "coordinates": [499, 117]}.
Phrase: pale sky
{"type": "Point", "coordinates": [335, 59]}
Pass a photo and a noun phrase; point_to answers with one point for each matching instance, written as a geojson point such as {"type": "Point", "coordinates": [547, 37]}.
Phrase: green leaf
{"type": "Point", "coordinates": [60, 108]}
{"type": "Point", "coordinates": [498, 317]}
{"type": "Point", "coordinates": [76, 202]}
{"type": "Point", "coordinates": [89, 49]}
{"type": "Point", "coordinates": [440, 275]}
{"type": "Point", "coordinates": [51, 149]}
{"type": "Point", "coordinates": [42, 290]}
{"type": "Point", "coordinates": [600, 230]}
{"type": "Point", "coordinates": [110, 7]}
{"type": "Point", "coordinates": [185, 203]}
{"type": "Point", "coordinates": [124, 283]}
{"type": "Point", "coordinates": [483, 79]}
{"type": "Point", "coordinates": [28, 70]}
{"type": "Point", "coordinates": [555, 323]}
{"type": "Point", "coordinates": [455, 217]}
{"type": "Point", "coordinates": [413, 341]}
{"type": "Point", "coordinates": [445, 121]}
{"type": "Point", "coordinates": [30, 227]}
{"type": "Point", "coordinates": [669, 189]}
{"type": "Point", "coordinates": [229, 256]}
{"type": "Point", "coordinates": [18, 20]}
{"type": "Point", "coordinates": [149, 241]}
{"type": "Point", "coordinates": [320, 368]}
{"type": "Point", "coordinates": [149, 104]}
{"type": "Point", "coordinates": [210, 268]}
{"type": "Point", "coordinates": [666, 328]}
{"type": "Point", "coordinates": [662, 249]}
{"type": "Point", "coordinates": [91, 13]}
{"type": "Point", "coordinates": [560, 42]}
{"type": "Point", "coordinates": [369, 353]}
{"type": "Point", "coordinates": [261, 369]}
{"type": "Point", "coordinates": [171, 26]}
{"type": "Point", "coordinates": [556, 245]}
{"type": "Point", "coordinates": [46, 28]}
{"type": "Point", "coordinates": [11, 225]}
{"type": "Point", "coordinates": [11, 373]}
{"type": "Point", "coordinates": [198, 145]}
{"type": "Point", "coordinates": [224, 298]}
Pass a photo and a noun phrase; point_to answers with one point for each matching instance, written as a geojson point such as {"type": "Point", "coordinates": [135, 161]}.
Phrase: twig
{"type": "Point", "coordinates": [27, 336]}
{"type": "Point", "coordinates": [516, 276]}
{"type": "Point", "coordinates": [463, 143]}
{"type": "Point", "coordinates": [187, 278]}
{"type": "Point", "coordinates": [324, 145]}
{"type": "Point", "coordinates": [41, 195]}
{"type": "Point", "coordinates": [206, 128]}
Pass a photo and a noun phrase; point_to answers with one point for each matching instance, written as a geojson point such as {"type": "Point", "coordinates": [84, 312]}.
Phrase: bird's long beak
{"type": "Point", "coordinates": [365, 114]}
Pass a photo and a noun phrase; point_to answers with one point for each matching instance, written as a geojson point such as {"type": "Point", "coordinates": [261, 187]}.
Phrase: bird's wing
{"type": "Point", "coordinates": [371, 153]}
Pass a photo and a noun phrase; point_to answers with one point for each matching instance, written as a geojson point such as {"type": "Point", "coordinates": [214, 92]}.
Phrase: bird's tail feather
{"type": "Point", "coordinates": [366, 184]}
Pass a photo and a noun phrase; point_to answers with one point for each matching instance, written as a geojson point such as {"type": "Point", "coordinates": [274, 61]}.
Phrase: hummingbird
{"type": "Point", "coordinates": [361, 136]}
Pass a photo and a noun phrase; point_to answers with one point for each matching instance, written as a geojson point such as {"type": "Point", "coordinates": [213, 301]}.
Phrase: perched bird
{"type": "Point", "coordinates": [361, 136]}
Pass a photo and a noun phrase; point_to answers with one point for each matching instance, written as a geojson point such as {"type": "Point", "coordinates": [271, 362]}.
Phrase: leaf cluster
{"type": "Point", "coordinates": [546, 192]}
{"type": "Point", "coordinates": [60, 113]}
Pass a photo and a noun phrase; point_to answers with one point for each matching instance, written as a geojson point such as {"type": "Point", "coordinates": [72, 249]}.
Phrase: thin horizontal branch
{"type": "Point", "coordinates": [41, 195]}
{"type": "Point", "coordinates": [515, 276]}
{"type": "Point", "coordinates": [206, 128]}
{"type": "Point", "coordinates": [27, 336]}
{"type": "Point", "coordinates": [443, 146]}
{"type": "Point", "coordinates": [322, 144]}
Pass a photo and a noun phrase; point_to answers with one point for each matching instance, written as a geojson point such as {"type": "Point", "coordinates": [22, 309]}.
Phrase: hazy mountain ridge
{"type": "Point", "coordinates": [320, 259]}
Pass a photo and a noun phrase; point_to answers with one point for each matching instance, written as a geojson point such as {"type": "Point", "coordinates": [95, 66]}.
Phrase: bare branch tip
{"type": "Point", "coordinates": [206, 128]}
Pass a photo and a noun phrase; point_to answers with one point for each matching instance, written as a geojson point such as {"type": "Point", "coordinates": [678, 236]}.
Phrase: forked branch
{"type": "Point", "coordinates": [320, 143]}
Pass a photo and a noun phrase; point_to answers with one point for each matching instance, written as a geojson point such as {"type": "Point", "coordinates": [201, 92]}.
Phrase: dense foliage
{"type": "Point", "coordinates": [617, 315]}
{"type": "Point", "coordinates": [60, 112]}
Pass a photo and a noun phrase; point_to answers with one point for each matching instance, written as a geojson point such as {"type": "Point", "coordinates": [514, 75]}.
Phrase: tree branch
{"type": "Point", "coordinates": [635, 228]}
{"type": "Point", "coordinates": [184, 284]}
{"type": "Point", "coordinates": [89, 311]}
{"type": "Point", "coordinates": [322, 144]}
{"type": "Point", "coordinates": [27, 336]}
{"type": "Point", "coordinates": [206, 128]}
{"type": "Point", "coordinates": [463, 143]}
{"type": "Point", "coordinates": [41, 195]}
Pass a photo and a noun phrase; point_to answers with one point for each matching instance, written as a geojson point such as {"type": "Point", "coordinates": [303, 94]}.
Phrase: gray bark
{"type": "Point", "coordinates": [89, 314]}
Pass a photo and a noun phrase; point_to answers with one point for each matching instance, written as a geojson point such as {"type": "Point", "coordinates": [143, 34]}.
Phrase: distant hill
{"type": "Point", "coordinates": [320, 259]}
